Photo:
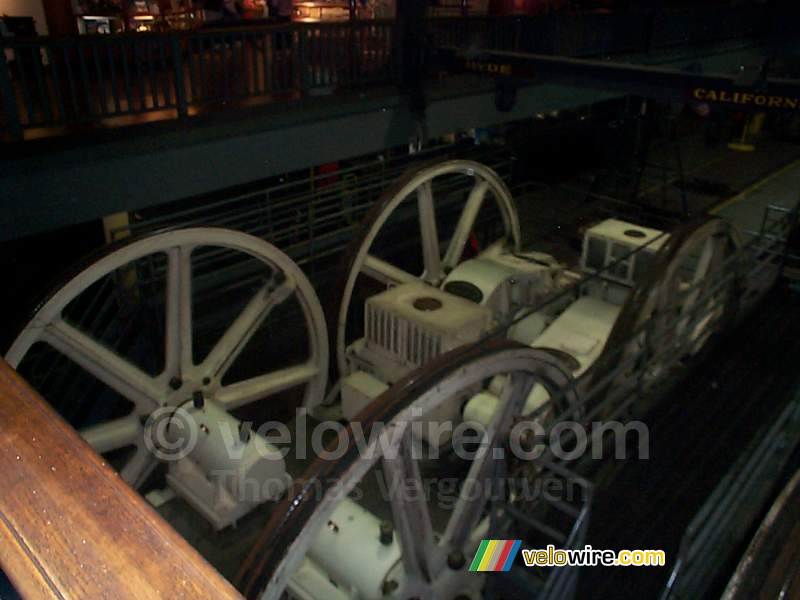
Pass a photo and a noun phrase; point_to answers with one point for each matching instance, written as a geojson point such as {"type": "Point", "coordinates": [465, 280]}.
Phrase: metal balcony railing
{"type": "Point", "coordinates": [56, 82]}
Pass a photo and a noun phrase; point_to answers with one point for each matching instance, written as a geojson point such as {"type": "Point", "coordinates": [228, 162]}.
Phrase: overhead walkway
{"type": "Point", "coordinates": [220, 133]}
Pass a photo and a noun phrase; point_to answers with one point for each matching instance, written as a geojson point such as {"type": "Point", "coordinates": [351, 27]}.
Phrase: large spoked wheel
{"type": "Point", "coordinates": [426, 192]}
{"type": "Point", "coordinates": [179, 377]}
{"type": "Point", "coordinates": [433, 546]}
{"type": "Point", "coordinates": [688, 295]}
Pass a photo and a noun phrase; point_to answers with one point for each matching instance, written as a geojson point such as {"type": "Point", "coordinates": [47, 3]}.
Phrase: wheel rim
{"type": "Point", "coordinates": [417, 185]}
{"type": "Point", "coordinates": [151, 393]}
{"type": "Point", "coordinates": [664, 306]}
{"type": "Point", "coordinates": [271, 562]}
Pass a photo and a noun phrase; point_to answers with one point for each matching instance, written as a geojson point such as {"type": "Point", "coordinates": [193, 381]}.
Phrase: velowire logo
{"type": "Point", "coordinates": [495, 555]}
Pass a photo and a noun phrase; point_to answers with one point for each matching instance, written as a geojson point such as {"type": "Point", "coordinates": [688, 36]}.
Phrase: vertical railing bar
{"type": "Point", "coordinates": [361, 42]}
{"type": "Point", "coordinates": [374, 48]}
{"type": "Point", "coordinates": [214, 71]}
{"type": "Point", "coordinates": [245, 60]}
{"type": "Point", "coordinates": [85, 78]}
{"type": "Point", "coordinates": [365, 56]}
{"type": "Point", "coordinates": [357, 53]}
{"type": "Point", "coordinates": [178, 77]}
{"type": "Point", "coordinates": [125, 48]}
{"type": "Point", "coordinates": [101, 85]}
{"type": "Point", "coordinates": [246, 52]}
{"type": "Point", "coordinates": [140, 75]}
{"type": "Point", "coordinates": [222, 71]}
{"type": "Point", "coordinates": [26, 94]}
{"type": "Point", "coordinates": [339, 41]}
{"type": "Point", "coordinates": [287, 66]}
{"type": "Point", "coordinates": [201, 70]}
{"type": "Point", "coordinates": [233, 70]}
{"type": "Point", "coordinates": [341, 67]}
{"type": "Point", "coordinates": [292, 53]}
{"type": "Point", "coordinates": [316, 55]}
{"type": "Point", "coordinates": [73, 92]}
{"type": "Point", "coordinates": [296, 55]}
{"type": "Point", "coordinates": [223, 55]}
{"type": "Point", "coordinates": [165, 78]}
{"type": "Point", "coordinates": [271, 64]}
{"type": "Point", "coordinates": [216, 68]}
{"type": "Point", "coordinates": [343, 73]}
{"type": "Point", "coordinates": [383, 55]}
{"type": "Point", "coordinates": [268, 50]}
{"type": "Point", "coordinates": [236, 64]}
{"type": "Point", "coordinates": [257, 87]}
{"type": "Point", "coordinates": [151, 72]}
{"type": "Point", "coordinates": [309, 57]}
{"type": "Point", "coordinates": [333, 44]}
{"type": "Point", "coordinates": [190, 45]}
{"type": "Point", "coordinates": [372, 52]}
{"type": "Point", "coordinates": [56, 80]}
{"type": "Point", "coordinates": [320, 39]}
{"type": "Point", "coordinates": [233, 79]}
{"type": "Point", "coordinates": [214, 79]}
{"type": "Point", "coordinates": [113, 73]}
{"type": "Point", "coordinates": [298, 72]}
{"type": "Point", "coordinates": [322, 59]}
{"type": "Point", "coordinates": [252, 70]}
{"type": "Point", "coordinates": [13, 123]}
{"type": "Point", "coordinates": [47, 112]}
{"type": "Point", "coordinates": [247, 71]}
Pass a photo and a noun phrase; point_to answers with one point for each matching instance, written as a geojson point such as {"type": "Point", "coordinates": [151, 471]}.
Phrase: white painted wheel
{"type": "Point", "coordinates": [427, 568]}
{"type": "Point", "coordinates": [683, 300]}
{"type": "Point", "coordinates": [417, 190]}
{"type": "Point", "coordinates": [181, 376]}
{"type": "Point", "coordinates": [692, 294]}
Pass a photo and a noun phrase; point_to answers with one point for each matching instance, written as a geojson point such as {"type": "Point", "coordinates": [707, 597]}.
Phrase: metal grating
{"type": "Point", "coordinates": [405, 341]}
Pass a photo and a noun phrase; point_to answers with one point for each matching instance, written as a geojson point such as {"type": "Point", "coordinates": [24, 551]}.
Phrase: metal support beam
{"type": "Point", "coordinates": [55, 183]}
{"type": "Point", "coordinates": [668, 83]}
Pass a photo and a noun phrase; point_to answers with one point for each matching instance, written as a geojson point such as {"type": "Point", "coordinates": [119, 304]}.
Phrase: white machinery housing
{"type": "Point", "coordinates": [414, 322]}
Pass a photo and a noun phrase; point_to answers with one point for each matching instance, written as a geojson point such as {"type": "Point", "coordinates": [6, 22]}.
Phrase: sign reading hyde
{"type": "Point", "coordinates": [746, 99]}
{"type": "Point", "coordinates": [487, 67]}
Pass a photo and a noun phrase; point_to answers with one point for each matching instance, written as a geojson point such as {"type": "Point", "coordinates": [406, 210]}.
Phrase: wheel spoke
{"type": "Point", "coordinates": [466, 222]}
{"type": "Point", "coordinates": [235, 338]}
{"type": "Point", "coordinates": [114, 434]}
{"type": "Point", "coordinates": [382, 271]}
{"type": "Point", "coordinates": [470, 505]}
{"type": "Point", "coordinates": [705, 260]}
{"type": "Point", "coordinates": [139, 467]}
{"type": "Point", "coordinates": [250, 390]}
{"type": "Point", "coordinates": [430, 235]}
{"type": "Point", "coordinates": [700, 282]}
{"type": "Point", "coordinates": [179, 313]}
{"type": "Point", "coordinates": [410, 513]}
{"type": "Point", "coordinates": [108, 366]}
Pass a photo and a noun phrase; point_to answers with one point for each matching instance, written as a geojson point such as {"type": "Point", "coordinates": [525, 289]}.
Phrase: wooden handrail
{"type": "Point", "coordinates": [71, 528]}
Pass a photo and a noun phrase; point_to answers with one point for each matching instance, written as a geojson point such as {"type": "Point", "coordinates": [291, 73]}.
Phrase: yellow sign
{"type": "Point", "coordinates": [746, 98]}
{"type": "Point", "coordinates": [487, 67]}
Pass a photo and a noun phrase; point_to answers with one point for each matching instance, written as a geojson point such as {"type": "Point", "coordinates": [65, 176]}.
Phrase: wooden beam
{"type": "Point", "coordinates": [71, 528]}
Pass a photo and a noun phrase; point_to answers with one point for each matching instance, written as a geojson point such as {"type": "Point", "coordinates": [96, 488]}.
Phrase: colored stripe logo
{"type": "Point", "coordinates": [495, 555]}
